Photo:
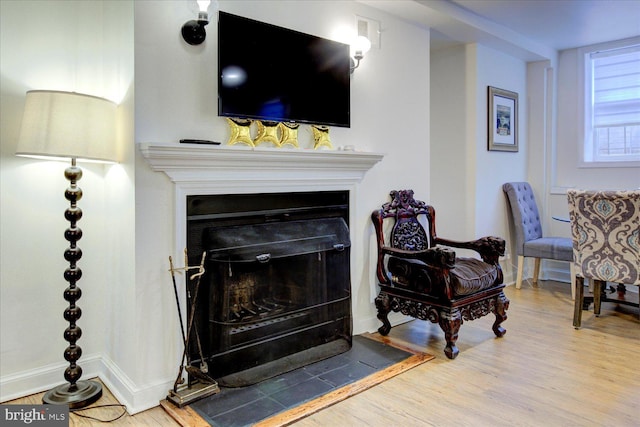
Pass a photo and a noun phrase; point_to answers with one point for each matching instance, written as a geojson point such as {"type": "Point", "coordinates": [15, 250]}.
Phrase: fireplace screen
{"type": "Point", "coordinates": [276, 296]}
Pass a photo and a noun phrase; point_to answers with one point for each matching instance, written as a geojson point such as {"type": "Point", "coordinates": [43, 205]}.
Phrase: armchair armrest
{"type": "Point", "coordinates": [490, 248]}
{"type": "Point", "coordinates": [436, 258]}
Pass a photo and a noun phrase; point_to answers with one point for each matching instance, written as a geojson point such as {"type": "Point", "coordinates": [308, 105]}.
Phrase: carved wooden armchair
{"type": "Point", "coordinates": [420, 276]}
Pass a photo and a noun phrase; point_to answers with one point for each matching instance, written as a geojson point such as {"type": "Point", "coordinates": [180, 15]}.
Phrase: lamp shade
{"type": "Point", "coordinates": [68, 125]}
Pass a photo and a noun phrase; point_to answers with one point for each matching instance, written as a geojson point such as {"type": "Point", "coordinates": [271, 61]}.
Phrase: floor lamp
{"type": "Point", "coordinates": [67, 125]}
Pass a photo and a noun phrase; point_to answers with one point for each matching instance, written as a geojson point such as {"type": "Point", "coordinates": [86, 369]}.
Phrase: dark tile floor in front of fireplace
{"type": "Point", "coordinates": [247, 405]}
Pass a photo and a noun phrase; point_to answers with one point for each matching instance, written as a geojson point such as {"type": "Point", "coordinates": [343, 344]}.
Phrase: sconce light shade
{"type": "Point", "coordinates": [359, 47]}
{"type": "Point", "coordinates": [68, 125]}
{"type": "Point", "coordinates": [193, 31]}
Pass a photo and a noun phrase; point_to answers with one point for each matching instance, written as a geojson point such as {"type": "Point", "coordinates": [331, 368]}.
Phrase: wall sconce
{"type": "Point", "coordinates": [193, 31]}
{"type": "Point", "coordinates": [358, 48]}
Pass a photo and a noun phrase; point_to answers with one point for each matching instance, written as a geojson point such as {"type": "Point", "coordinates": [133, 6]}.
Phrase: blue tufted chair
{"type": "Point", "coordinates": [529, 239]}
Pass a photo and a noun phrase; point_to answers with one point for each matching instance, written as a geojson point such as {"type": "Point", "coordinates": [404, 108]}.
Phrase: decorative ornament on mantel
{"type": "Point", "coordinates": [289, 134]}
{"type": "Point", "coordinates": [275, 133]}
{"type": "Point", "coordinates": [267, 132]}
{"type": "Point", "coordinates": [321, 137]}
{"type": "Point", "coordinates": [240, 132]}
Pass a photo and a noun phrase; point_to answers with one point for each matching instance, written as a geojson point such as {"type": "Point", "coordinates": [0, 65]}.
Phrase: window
{"type": "Point", "coordinates": [612, 105]}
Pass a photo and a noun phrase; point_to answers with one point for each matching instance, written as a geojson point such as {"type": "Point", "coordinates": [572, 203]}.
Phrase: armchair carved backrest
{"type": "Point", "coordinates": [407, 232]}
{"type": "Point", "coordinates": [418, 259]}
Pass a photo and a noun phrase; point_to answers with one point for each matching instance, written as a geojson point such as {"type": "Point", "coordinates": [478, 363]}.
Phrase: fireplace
{"type": "Point", "coordinates": [276, 291]}
{"type": "Point", "coordinates": [199, 170]}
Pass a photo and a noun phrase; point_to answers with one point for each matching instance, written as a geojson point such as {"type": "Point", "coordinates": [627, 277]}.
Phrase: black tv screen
{"type": "Point", "coordinates": [270, 73]}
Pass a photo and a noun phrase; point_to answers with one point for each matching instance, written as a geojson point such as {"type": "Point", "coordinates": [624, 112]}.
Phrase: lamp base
{"type": "Point", "coordinates": [84, 394]}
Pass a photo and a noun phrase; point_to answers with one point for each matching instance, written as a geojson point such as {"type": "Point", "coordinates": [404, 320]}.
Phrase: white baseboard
{"type": "Point", "coordinates": [135, 398]}
{"type": "Point", "coordinates": [559, 275]}
{"type": "Point", "coordinates": [44, 378]}
{"type": "Point", "coordinates": [549, 270]}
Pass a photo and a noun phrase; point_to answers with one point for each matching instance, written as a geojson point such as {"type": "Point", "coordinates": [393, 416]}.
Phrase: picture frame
{"type": "Point", "coordinates": [502, 120]}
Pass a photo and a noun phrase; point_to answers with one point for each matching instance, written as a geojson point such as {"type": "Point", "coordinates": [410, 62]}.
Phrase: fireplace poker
{"type": "Point", "coordinates": [200, 374]}
{"type": "Point", "coordinates": [205, 385]}
{"type": "Point", "coordinates": [190, 369]}
{"type": "Point", "coordinates": [175, 291]}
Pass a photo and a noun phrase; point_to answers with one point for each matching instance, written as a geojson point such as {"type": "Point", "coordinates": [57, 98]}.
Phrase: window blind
{"type": "Point", "coordinates": [616, 102]}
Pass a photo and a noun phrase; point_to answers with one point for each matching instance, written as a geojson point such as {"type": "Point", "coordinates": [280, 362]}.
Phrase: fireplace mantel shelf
{"type": "Point", "coordinates": [201, 163]}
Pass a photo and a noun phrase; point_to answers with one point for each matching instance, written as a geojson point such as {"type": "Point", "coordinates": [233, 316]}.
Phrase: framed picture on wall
{"type": "Point", "coordinates": [503, 120]}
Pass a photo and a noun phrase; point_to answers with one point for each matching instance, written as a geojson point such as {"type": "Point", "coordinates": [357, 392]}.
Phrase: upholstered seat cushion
{"type": "Point", "coordinates": [560, 248]}
{"type": "Point", "coordinates": [470, 275]}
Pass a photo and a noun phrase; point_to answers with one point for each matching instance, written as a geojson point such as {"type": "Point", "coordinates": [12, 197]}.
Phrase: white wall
{"type": "Point", "coordinates": [450, 156]}
{"type": "Point", "coordinates": [466, 178]}
{"type": "Point", "coordinates": [82, 46]}
{"type": "Point", "coordinates": [494, 168]}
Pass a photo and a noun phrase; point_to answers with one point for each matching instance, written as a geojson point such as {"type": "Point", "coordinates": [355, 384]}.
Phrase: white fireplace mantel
{"type": "Point", "coordinates": [242, 166]}
{"type": "Point", "coordinates": [206, 169]}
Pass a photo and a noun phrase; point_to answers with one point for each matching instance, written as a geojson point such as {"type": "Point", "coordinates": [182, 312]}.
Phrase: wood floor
{"type": "Point", "coordinates": [542, 372]}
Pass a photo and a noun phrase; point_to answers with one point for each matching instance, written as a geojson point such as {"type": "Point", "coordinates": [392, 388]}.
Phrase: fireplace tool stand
{"type": "Point", "coordinates": [198, 384]}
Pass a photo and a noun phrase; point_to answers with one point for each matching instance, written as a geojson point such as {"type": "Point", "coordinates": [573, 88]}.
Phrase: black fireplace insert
{"type": "Point", "coordinates": [276, 293]}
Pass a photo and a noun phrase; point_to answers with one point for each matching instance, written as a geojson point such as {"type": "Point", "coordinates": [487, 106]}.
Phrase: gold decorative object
{"type": "Point", "coordinates": [321, 137]}
{"type": "Point", "coordinates": [267, 132]}
{"type": "Point", "coordinates": [289, 134]}
{"type": "Point", "coordinates": [240, 131]}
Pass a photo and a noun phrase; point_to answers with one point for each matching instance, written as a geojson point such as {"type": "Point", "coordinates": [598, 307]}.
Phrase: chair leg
{"type": "Point", "coordinates": [450, 321]}
{"type": "Point", "coordinates": [383, 305]}
{"type": "Point", "coordinates": [536, 271]}
{"type": "Point", "coordinates": [519, 274]}
{"type": "Point", "coordinates": [577, 306]}
{"type": "Point", "coordinates": [502, 304]}
{"type": "Point", "coordinates": [597, 292]}
{"type": "Point", "coordinates": [572, 271]}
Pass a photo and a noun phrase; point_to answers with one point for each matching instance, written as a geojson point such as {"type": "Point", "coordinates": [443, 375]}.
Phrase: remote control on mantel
{"type": "Point", "coordinates": [198, 141]}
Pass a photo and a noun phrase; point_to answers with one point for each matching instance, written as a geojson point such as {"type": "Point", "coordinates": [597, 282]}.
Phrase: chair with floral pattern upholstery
{"type": "Point", "coordinates": [605, 226]}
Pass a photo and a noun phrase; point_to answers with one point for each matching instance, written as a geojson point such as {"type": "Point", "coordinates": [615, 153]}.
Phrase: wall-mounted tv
{"type": "Point", "coordinates": [270, 73]}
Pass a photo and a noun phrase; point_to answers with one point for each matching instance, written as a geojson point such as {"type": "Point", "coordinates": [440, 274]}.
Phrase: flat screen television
{"type": "Point", "coordinates": [270, 73]}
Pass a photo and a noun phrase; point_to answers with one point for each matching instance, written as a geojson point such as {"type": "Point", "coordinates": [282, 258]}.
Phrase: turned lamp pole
{"type": "Point", "coordinates": [63, 125]}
